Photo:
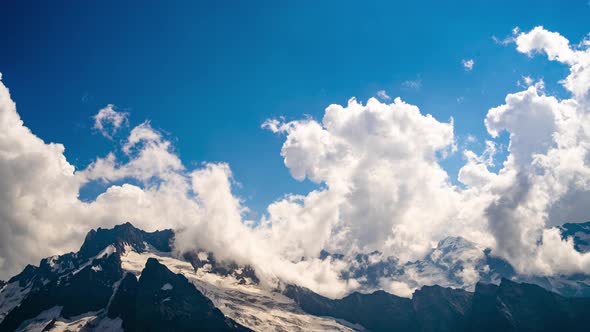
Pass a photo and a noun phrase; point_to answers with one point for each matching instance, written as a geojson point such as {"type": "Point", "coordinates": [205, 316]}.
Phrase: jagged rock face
{"type": "Point", "coordinates": [145, 295]}
{"type": "Point", "coordinates": [125, 278]}
{"type": "Point", "coordinates": [84, 290]}
{"type": "Point", "coordinates": [93, 282]}
{"type": "Point", "coordinates": [378, 311]}
{"type": "Point", "coordinates": [508, 307]}
{"type": "Point", "coordinates": [441, 309]}
{"type": "Point", "coordinates": [124, 301]}
{"type": "Point", "coordinates": [125, 234]}
{"type": "Point", "coordinates": [206, 260]}
{"type": "Point", "coordinates": [165, 301]}
{"type": "Point", "coordinates": [525, 307]}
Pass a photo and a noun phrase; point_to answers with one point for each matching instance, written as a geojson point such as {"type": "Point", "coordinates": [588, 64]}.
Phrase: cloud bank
{"type": "Point", "coordinates": [380, 186]}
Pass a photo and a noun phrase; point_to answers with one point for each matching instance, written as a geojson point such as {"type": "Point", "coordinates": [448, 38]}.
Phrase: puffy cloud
{"type": "Point", "coordinates": [522, 112]}
{"type": "Point", "coordinates": [558, 48]}
{"type": "Point", "coordinates": [381, 160]}
{"type": "Point", "coordinates": [545, 178]}
{"type": "Point", "coordinates": [41, 214]}
{"type": "Point", "coordinates": [37, 183]}
{"type": "Point", "coordinates": [108, 121]}
{"type": "Point", "coordinates": [475, 172]}
{"type": "Point", "coordinates": [150, 158]}
{"type": "Point", "coordinates": [553, 44]}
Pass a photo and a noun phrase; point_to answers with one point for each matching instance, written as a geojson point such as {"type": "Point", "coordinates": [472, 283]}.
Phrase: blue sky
{"type": "Point", "coordinates": [209, 73]}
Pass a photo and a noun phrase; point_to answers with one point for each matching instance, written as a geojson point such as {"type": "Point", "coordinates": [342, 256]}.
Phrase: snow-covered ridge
{"type": "Point", "coordinates": [11, 296]}
{"type": "Point", "coordinates": [51, 320]}
{"type": "Point", "coordinates": [248, 304]}
{"type": "Point", "coordinates": [234, 290]}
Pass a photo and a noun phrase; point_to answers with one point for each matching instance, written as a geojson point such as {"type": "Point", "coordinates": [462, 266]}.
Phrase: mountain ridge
{"type": "Point", "coordinates": [124, 278]}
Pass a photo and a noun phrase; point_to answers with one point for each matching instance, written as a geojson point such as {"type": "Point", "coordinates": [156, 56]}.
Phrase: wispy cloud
{"type": "Point", "coordinates": [508, 39]}
{"type": "Point", "coordinates": [383, 95]}
{"type": "Point", "coordinates": [413, 84]}
{"type": "Point", "coordinates": [468, 64]}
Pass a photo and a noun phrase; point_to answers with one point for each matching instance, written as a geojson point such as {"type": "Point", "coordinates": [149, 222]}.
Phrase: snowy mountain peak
{"type": "Point", "coordinates": [126, 278]}
{"type": "Point", "coordinates": [125, 235]}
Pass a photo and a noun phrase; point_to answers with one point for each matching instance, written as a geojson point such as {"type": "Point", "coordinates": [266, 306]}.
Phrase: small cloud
{"type": "Point", "coordinates": [515, 30]}
{"type": "Point", "coordinates": [276, 126]}
{"type": "Point", "coordinates": [383, 95]}
{"type": "Point", "coordinates": [468, 64]}
{"type": "Point", "coordinates": [460, 100]}
{"type": "Point", "coordinates": [108, 121]}
{"type": "Point", "coordinates": [471, 139]}
{"type": "Point", "coordinates": [413, 84]}
{"type": "Point", "coordinates": [505, 41]}
{"type": "Point", "coordinates": [525, 81]}
{"type": "Point", "coordinates": [85, 97]}
{"type": "Point", "coordinates": [508, 39]}
{"type": "Point", "coordinates": [272, 125]}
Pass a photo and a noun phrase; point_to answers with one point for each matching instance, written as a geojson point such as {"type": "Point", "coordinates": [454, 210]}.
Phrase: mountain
{"type": "Point", "coordinates": [508, 307]}
{"type": "Point", "coordinates": [128, 279]}
{"type": "Point", "coordinates": [91, 290]}
{"type": "Point", "coordinates": [458, 263]}
{"type": "Point", "coordinates": [165, 301]}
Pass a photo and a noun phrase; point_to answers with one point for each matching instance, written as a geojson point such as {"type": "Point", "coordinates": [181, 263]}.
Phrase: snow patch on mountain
{"type": "Point", "coordinates": [11, 296]}
{"type": "Point", "coordinates": [50, 320]}
{"type": "Point", "coordinates": [246, 303]}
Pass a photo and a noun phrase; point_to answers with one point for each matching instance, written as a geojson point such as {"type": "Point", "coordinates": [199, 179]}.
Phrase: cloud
{"type": "Point", "coordinates": [413, 84]}
{"type": "Point", "coordinates": [506, 40]}
{"type": "Point", "coordinates": [108, 121]}
{"type": "Point", "coordinates": [468, 64]}
{"type": "Point", "coordinates": [525, 81]}
{"type": "Point", "coordinates": [361, 153]}
{"type": "Point", "coordinates": [380, 186]}
{"type": "Point", "coordinates": [557, 48]}
{"type": "Point", "coordinates": [383, 95]}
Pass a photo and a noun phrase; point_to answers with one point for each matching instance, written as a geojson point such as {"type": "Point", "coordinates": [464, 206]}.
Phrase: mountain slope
{"type": "Point", "coordinates": [508, 307]}
{"type": "Point", "coordinates": [76, 291]}
{"type": "Point", "coordinates": [125, 278]}
{"type": "Point", "coordinates": [458, 263]}
{"type": "Point", "coordinates": [165, 301]}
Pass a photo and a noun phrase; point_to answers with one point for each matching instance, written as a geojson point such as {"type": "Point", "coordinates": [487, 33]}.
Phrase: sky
{"type": "Point", "coordinates": [267, 132]}
{"type": "Point", "coordinates": [208, 73]}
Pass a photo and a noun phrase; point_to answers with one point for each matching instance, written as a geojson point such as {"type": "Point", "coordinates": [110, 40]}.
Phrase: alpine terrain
{"type": "Point", "coordinates": [127, 279]}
